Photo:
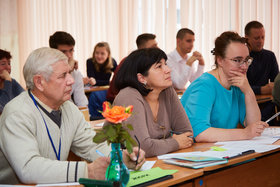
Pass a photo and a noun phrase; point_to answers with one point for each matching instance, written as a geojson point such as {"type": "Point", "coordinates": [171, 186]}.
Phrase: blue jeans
{"type": "Point", "coordinates": [96, 100]}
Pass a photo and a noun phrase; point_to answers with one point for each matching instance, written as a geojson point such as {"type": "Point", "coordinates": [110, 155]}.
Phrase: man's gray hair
{"type": "Point", "coordinates": [40, 61]}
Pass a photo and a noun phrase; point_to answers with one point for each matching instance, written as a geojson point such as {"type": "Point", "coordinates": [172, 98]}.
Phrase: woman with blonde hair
{"type": "Point", "coordinates": [99, 68]}
{"type": "Point", "coordinates": [101, 65]}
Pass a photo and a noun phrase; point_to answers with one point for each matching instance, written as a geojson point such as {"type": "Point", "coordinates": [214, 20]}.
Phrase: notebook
{"type": "Point", "coordinates": [196, 162]}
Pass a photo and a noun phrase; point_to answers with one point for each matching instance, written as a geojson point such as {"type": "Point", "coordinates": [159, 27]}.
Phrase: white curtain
{"type": "Point", "coordinates": [27, 24]}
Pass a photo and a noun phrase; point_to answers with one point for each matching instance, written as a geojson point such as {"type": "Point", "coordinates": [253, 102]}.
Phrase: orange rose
{"type": "Point", "coordinates": [117, 114]}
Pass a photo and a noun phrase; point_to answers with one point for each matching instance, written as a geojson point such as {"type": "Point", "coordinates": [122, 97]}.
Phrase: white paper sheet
{"type": "Point", "coordinates": [271, 132]}
{"type": "Point", "coordinates": [99, 124]}
{"type": "Point", "coordinates": [172, 155]}
{"type": "Point", "coordinates": [254, 141]}
{"type": "Point", "coordinates": [147, 165]}
{"type": "Point", "coordinates": [259, 144]}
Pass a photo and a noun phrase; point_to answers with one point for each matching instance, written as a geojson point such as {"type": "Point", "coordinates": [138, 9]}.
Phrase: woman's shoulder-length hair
{"type": "Point", "coordinates": [139, 61]}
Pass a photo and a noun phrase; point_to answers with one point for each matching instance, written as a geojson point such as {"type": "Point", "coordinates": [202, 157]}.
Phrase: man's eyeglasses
{"type": "Point", "coordinates": [248, 61]}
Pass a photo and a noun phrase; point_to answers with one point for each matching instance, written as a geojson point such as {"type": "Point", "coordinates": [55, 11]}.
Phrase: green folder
{"type": "Point", "coordinates": [150, 176]}
{"type": "Point", "coordinates": [96, 183]}
{"type": "Point", "coordinates": [137, 178]}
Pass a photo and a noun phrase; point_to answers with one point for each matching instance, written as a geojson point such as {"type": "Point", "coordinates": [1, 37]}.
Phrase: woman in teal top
{"type": "Point", "coordinates": [220, 99]}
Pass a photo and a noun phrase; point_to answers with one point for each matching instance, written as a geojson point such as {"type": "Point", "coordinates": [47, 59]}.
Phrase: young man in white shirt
{"type": "Point", "coordinates": [65, 43]}
{"type": "Point", "coordinates": [181, 63]}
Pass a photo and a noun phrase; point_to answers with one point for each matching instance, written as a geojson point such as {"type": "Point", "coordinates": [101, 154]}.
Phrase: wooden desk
{"type": "Point", "coordinates": [95, 88]}
{"type": "Point", "coordinates": [184, 175]}
{"type": "Point", "coordinates": [257, 169]}
{"type": "Point", "coordinates": [263, 98]}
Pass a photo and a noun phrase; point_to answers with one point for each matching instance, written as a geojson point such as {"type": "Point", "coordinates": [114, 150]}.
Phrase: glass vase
{"type": "Point", "coordinates": [117, 170]}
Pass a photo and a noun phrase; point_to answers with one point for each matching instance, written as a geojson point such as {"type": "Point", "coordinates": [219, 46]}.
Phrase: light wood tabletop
{"type": "Point", "coordinates": [95, 88]}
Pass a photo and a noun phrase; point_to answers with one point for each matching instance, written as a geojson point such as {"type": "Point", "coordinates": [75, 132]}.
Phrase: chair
{"type": "Point", "coordinates": [85, 112]}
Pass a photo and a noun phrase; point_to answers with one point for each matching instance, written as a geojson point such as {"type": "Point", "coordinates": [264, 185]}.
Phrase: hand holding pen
{"type": "Point", "coordinates": [130, 159]}
{"type": "Point", "coordinates": [255, 129]}
{"type": "Point", "coordinates": [137, 156]}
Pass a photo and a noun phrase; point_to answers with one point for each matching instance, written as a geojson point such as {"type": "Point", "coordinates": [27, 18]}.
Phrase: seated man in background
{"type": "Point", "coordinates": [264, 68]}
{"type": "Point", "coordinates": [145, 40]}
{"type": "Point", "coordinates": [181, 63]}
{"type": "Point", "coordinates": [276, 90]}
{"type": "Point", "coordinates": [64, 42]}
{"type": "Point", "coordinates": [9, 88]}
{"type": "Point", "coordinates": [39, 127]}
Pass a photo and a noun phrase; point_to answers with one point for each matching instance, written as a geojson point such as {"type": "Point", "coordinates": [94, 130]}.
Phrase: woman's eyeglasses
{"type": "Point", "coordinates": [248, 61]}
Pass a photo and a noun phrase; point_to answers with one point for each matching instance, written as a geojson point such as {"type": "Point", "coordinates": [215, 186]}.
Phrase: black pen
{"type": "Point", "coordinates": [241, 154]}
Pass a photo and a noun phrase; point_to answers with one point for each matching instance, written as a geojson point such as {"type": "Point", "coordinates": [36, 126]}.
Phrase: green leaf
{"type": "Point", "coordinates": [129, 126]}
{"type": "Point", "coordinates": [129, 147]}
{"type": "Point", "coordinates": [112, 133]}
{"type": "Point", "coordinates": [132, 141]}
{"type": "Point", "coordinates": [99, 137]}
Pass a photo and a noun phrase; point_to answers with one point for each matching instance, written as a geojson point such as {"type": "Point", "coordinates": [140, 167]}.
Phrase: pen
{"type": "Point", "coordinates": [241, 154]}
{"type": "Point", "coordinates": [272, 117]}
{"type": "Point", "coordinates": [136, 163]}
{"type": "Point", "coordinates": [98, 152]}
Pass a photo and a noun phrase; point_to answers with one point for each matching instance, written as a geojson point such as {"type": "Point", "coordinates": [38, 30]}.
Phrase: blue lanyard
{"type": "Point", "coordinates": [57, 155]}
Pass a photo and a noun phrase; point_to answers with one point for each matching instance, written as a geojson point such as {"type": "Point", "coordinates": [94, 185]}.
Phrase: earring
{"type": "Point", "coordinates": [145, 83]}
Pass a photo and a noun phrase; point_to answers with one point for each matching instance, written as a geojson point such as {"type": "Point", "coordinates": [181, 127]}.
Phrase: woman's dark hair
{"type": "Point", "coordinates": [139, 61]}
{"type": "Point", "coordinates": [222, 42]}
{"type": "Point", "coordinates": [5, 54]}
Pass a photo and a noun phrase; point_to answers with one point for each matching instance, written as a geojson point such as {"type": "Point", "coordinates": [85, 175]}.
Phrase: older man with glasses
{"type": "Point", "coordinates": [40, 127]}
